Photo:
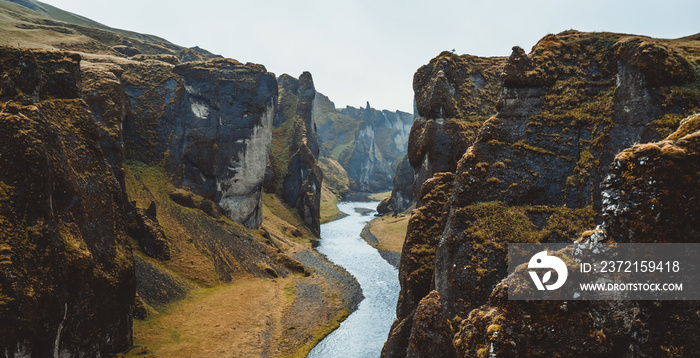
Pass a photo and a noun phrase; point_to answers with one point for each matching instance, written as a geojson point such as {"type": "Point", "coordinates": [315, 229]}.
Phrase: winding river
{"type": "Point", "coordinates": [363, 333]}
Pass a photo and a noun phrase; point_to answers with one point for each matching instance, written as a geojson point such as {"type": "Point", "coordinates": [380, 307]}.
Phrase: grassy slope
{"type": "Point", "coordinates": [50, 28]}
{"type": "Point", "coordinates": [213, 319]}
{"type": "Point", "coordinates": [329, 204]}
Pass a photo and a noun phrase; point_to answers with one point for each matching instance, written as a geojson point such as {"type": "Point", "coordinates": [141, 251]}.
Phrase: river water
{"type": "Point", "coordinates": [363, 333]}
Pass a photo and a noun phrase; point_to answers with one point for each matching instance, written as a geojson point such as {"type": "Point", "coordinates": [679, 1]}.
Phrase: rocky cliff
{"type": "Point", "coordinates": [68, 273]}
{"type": "Point", "coordinates": [294, 173]}
{"type": "Point", "coordinates": [380, 142]}
{"type": "Point", "coordinates": [650, 196]}
{"type": "Point", "coordinates": [401, 197]}
{"type": "Point", "coordinates": [533, 172]}
{"type": "Point", "coordinates": [454, 96]}
{"type": "Point", "coordinates": [209, 123]}
{"type": "Point", "coordinates": [368, 143]}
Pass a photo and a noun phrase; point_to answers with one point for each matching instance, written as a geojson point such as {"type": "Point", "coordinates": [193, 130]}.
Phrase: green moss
{"type": "Point", "coordinates": [493, 180]}
{"type": "Point", "coordinates": [424, 229]}
{"type": "Point", "coordinates": [147, 91]}
{"type": "Point", "coordinates": [586, 164]}
{"type": "Point", "coordinates": [523, 145]}
{"type": "Point", "coordinates": [667, 124]}
{"type": "Point", "coordinates": [495, 221]}
{"type": "Point", "coordinates": [280, 154]}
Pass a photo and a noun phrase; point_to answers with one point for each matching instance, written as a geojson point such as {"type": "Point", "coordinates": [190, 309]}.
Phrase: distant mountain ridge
{"type": "Point", "coordinates": [367, 142]}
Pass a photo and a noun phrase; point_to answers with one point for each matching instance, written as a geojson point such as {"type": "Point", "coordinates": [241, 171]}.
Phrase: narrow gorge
{"type": "Point", "coordinates": [165, 201]}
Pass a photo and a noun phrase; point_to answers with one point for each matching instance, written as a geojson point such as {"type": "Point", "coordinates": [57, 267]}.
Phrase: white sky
{"type": "Point", "coordinates": [368, 50]}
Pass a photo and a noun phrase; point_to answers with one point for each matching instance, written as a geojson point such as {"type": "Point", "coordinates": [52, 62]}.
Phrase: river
{"type": "Point", "coordinates": [363, 333]}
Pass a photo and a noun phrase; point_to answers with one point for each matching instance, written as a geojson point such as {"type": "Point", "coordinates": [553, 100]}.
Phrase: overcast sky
{"type": "Point", "coordinates": [368, 50]}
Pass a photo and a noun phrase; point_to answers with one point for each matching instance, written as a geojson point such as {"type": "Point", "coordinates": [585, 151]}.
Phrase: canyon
{"type": "Point", "coordinates": [151, 192]}
{"type": "Point", "coordinates": [138, 176]}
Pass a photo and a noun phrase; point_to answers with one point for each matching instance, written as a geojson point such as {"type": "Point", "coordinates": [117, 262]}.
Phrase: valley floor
{"type": "Point", "coordinates": [246, 315]}
{"type": "Point", "coordinates": [250, 317]}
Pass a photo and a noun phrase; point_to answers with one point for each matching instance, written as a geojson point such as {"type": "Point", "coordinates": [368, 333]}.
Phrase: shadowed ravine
{"type": "Point", "coordinates": [363, 333]}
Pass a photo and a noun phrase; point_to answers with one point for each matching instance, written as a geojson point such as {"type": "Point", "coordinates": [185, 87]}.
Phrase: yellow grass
{"type": "Point", "coordinates": [228, 320]}
{"type": "Point", "coordinates": [380, 196]}
{"type": "Point", "coordinates": [390, 231]}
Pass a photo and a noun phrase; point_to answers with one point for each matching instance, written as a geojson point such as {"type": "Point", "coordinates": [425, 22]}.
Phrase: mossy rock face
{"type": "Point", "coordinates": [571, 105]}
{"type": "Point", "coordinates": [431, 335]}
{"type": "Point", "coordinates": [38, 75]}
{"type": "Point", "coordinates": [650, 196]}
{"type": "Point", "coordinates": [480, 246]}
{"type": "Point", "coordinates": [208, 123]}
{"type": "Point", "coordinates": [69, 272]}
{"type": "Point", "coordinates": [455, 95]}
{"type": "Point", "coordinates": [534, 170]}
{"type": "Point", "coordinates": [418, 258]}
{"type": "Point", "coordinates": [293, 171]}
{"type": "Point", "coordinates": [567, 108]}
{"type": "Point", "coordinates": [453, 86]}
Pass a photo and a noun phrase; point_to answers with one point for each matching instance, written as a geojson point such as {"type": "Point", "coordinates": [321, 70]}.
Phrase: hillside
{"type": "Point", "coordinates": [33, 24]}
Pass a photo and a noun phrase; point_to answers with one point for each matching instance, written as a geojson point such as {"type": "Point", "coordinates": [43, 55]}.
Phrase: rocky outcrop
{"type": "Point", "coordinates": [465, 88]}
{"type": "Point", "coordinates": [418, 261]}
{"type": "Point", "coordinates": [650, 195]}
{"type": "Point", "coordinates": [401, 197]}
{"type": "Point", "coordinates": [454, 96]}
{"type": "Point", "coordinates": [534, 170]}
{"type": "Point", "coordinates": [143, 226]}
{"type": "Point", "coordinates": [209, 123]}
{"type": "Point", "coordinates": [67, 287]}
{"type": "Point", "coordinates": [293, 170]}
